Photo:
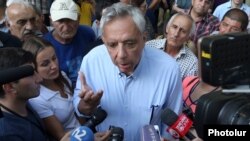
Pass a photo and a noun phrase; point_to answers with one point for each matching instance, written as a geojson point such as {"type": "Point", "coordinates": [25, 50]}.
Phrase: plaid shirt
{"type": "Point", "coordinates": [206, 26]}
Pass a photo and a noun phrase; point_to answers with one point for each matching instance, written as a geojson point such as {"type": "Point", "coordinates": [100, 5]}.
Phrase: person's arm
{"type": "Point", "coordinates": [66, 136]}
{"type": "Point", "coordinates": [85, 100]}
{"type": "Point", "coordinates": [54, 127]}
{"type": "Point", "coordinates": [102, 136]}
{"type": "Point", "coordinates": [154, 4]}
{"type": "Point", "coordinates": [178, 9]}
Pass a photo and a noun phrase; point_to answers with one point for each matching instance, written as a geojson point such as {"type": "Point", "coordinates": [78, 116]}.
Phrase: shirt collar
{"type": "Point", "coordinates": [182, 52]}
{"type": "Point", "coordinates": [47, 93]}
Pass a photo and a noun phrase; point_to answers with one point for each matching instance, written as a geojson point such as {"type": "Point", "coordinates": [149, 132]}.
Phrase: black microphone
{"type": "Point", "coordinates": [149, 133]}
{"type": "Point", "coordinates": [117, 133]}
{"type": "Point", "coordinates": [13, 74]}
{"type": "Point", "coordinates": [178, 126]}
{"type": "Point", "coordinates": [98, 116]}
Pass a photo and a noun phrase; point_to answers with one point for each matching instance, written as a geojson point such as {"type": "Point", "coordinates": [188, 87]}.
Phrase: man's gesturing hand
{"type": "Point", "coordinates": [89, 99]}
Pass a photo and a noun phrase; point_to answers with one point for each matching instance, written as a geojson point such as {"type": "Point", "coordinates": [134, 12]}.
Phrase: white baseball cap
{"type": "Point", "coordinates": [61, 9]}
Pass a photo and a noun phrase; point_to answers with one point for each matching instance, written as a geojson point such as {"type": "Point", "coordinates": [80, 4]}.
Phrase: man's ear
{"type": "Point", "coordinates": [103, 39]}
{"type": "Point", "coordinates": [8, 88]}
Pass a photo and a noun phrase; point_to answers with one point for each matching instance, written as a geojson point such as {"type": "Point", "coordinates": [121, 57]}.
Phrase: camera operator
{"type": "Point", "coordinates": [193, 86]}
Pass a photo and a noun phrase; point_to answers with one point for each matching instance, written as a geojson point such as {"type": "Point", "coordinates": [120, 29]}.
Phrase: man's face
{"type": "Point", "coordinates": [124, 42]}
{"type": "Point", "coordinates": [178, 31]}
{"type": "Point", "coordinates": [228, 25]}
{"type": "Point", "coordinates": [22, 21]}
{"type": "Point", "coordinates": [201, 7]}
{"type": "Point", "coordinates": [28, 87]}
{"type": "Point", "coordinates": [237, 2]}
{"type": "Point", "coordinates": [65, 28]}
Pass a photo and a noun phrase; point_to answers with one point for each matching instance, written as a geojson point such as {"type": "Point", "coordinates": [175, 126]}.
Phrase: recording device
{"type": "Point", "coordinates": [225, 59]}
{"type": "Point", "coordinates": [117, 133]}
{"type": "Point", "coordinates": [149, 133]}
{"type": "Point", "coordinates": [97, 117]}
{"type": "Point", "coordinates": [82, 133]}
{"type": "Point", "coordinates": [225, 62]}
{"type": "Point", "coordinates": [14, 74]}
{"type": "Point", "coordinates": [178, 126]}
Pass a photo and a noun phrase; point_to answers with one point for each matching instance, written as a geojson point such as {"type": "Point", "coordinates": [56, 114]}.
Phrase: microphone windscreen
{"type": "Point", "coordinates": [169, 117]}
{"type": "Point", "coordinates": [149, 133]}
{"type": "Point", "coordinates": [99, 115]}
{"type": "Point", "coordinates": [14, 74]}
{"type": "Point", "coordinates": [117, 134]}
{"type": "Point", "coordinates": [82, 133]}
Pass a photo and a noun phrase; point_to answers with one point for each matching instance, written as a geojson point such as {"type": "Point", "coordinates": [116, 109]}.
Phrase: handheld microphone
{"type": "Point", "coordinates": [13, 74]}
{"type": "Point", "coordinates": [149, 133]}
{"type": "Point", "coordinates": [82, 133]}
{"type": "Point", "coordinates": [117, 134]}
{"type": "Point", "coordinates": [98, 116]}
{"type": "Point", "coordinates": [178, 126]}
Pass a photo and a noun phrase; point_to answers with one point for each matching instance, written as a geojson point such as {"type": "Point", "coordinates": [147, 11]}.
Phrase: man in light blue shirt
{"type": "Point", "coordinates": [129, 80]}
{"type": "Point", "coordinates": [223, 8]}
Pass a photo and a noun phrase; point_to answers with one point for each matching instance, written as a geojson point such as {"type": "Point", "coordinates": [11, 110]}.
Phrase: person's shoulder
{"type": "Point", "coordinates": [246, 8]}
{"type": "Point", "coordinates": [98, 50]}
{"type": "Point", "coordinates": [156, 43]}
{"type": "Point", "coordinates": [48, 35]}
{"type": "Point", "coordinates": [220, 7]}
{"type": "Point", "coordinates": [158, 56]}
{"type": "Point", "coordinates": [215, 19]}
{"type": "Point", "coordinates": [85, 28]}
{"type": "Point", "coordinates": [86, 31]}
{"type": "Point", "coordinates": [190, 53]}
{"type": "Point", "coordinates": [188, 82]}
{"type": "Point", "coordinates": [9, 40]}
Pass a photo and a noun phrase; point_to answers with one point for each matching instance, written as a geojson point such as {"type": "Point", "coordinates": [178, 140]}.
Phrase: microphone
{"type": "Point", "coordinates": [13, 74]}
{"type": "Point", "coordinates": [149, 133]}
{"type": "Point", "coordinates": [98, 116]}
{"type": "Point", "coordinates": [117, 134]}
{"type": "Point", "coordinates": [178, 126]}
{"type": "Point", "coordinates": [82, 133]}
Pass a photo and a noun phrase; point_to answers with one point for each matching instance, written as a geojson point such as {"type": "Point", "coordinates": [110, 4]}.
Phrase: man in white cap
{"type": "Point", "coordinates": [69, 39]}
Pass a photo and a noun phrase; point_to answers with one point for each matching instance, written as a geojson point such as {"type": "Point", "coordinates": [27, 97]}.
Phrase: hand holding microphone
{"type": "Point", "coordinates": [117, 133]}
{"type": "Point", "coordinates": [98, 116]}
{"type": "Point", "coordinates": [178, 126]}
{"type": "Point", "coordinates": [149, 133]}
{"type": "Point", "coordinates": [82, 133]}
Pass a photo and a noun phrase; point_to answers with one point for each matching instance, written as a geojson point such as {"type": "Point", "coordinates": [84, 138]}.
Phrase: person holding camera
{"type": "Point", "coordinates": [235, 20]}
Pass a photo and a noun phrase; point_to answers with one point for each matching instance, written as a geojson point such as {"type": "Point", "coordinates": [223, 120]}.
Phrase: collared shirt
{"type": "Point", "coordinates": [186, 59]}
{"type": "Point", "coordinates": [221, 10]}
{"type": "Point", "coordinates": [136, 100]}
{"type": "Point", "coordinates": [50, 103]}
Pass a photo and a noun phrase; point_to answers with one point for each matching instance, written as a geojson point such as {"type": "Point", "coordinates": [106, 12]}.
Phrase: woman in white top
{"type": "Point", "coordinates": [54, 104]}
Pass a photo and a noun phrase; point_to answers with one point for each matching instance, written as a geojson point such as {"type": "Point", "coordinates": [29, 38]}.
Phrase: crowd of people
{"type": "Point", "coordinates": [85, 54]}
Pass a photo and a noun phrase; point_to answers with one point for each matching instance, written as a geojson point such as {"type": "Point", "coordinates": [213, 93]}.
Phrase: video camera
{"type": "Point", "coordinates": [224, 62]}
